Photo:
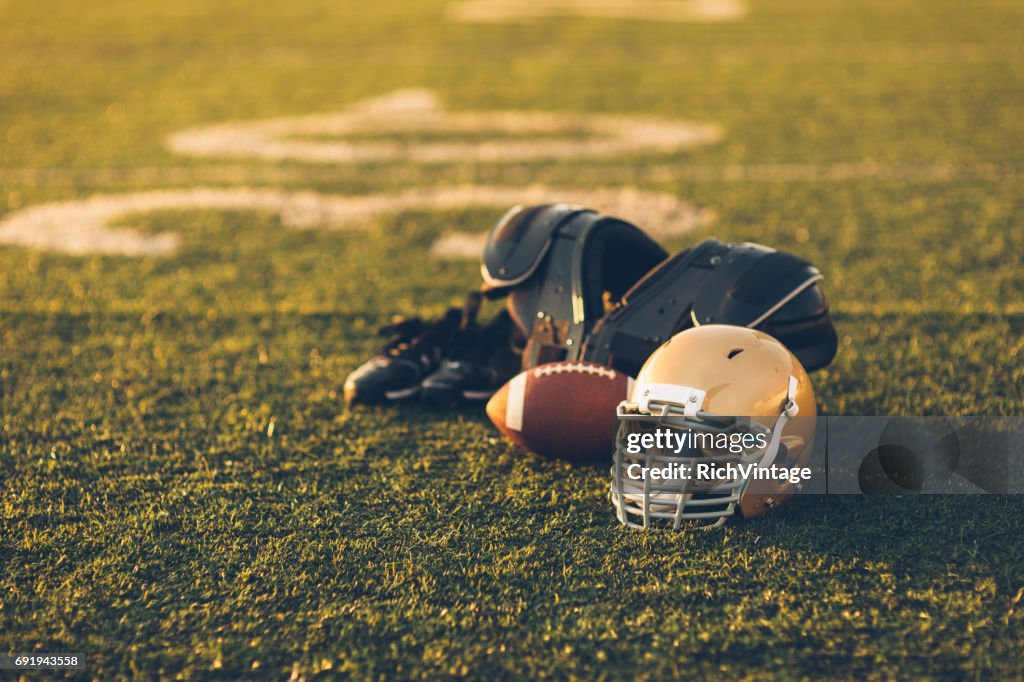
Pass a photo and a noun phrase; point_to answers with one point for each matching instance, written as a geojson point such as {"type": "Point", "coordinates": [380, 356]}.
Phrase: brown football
{"type": "Point", "coordinates": [562, 410]}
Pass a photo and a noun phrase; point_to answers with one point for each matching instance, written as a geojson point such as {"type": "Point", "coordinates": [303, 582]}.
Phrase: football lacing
{"type": "Point", "coordinates": [580, 367]}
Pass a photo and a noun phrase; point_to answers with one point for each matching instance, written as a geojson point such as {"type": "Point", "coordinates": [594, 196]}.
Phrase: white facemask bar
{"type": "Point", "coordinates": [640, 504]}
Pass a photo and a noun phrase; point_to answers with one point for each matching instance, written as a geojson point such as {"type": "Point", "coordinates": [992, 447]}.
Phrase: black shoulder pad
{"type": "Point", "coordinates": [749, 284]}
{"type": "Point", "coordinates": [517, 245]}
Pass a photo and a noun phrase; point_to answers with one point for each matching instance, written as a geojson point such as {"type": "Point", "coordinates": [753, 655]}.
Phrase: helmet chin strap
{"type": "Point", "coordinates": [789, 410]}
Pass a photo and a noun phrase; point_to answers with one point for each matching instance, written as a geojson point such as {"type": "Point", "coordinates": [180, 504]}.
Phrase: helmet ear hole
{"type": "Point", "coordinates": [734, 352]}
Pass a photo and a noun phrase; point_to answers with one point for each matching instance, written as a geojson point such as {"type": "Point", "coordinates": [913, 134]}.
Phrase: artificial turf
{"type": "Point", "coordinates": [183, 491]}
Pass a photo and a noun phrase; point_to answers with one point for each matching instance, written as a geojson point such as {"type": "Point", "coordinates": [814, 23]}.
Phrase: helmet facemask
{"type": "Point", "coordinates": [684, 499]}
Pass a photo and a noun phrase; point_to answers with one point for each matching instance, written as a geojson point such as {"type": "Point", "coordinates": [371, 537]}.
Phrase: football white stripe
{"type": "Point", "coordinates": [514, 406]}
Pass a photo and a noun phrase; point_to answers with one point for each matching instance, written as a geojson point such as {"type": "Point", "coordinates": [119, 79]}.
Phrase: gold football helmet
{"type": "Point", "coordinates": [712, 401]}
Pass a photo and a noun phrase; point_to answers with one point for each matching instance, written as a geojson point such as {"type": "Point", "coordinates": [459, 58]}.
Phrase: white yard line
{"type": "Point", "coordinates": [419, 111]}
{"type": "Point", "coordinates": [654, 172]}
{"type": "Point", "coordinates": [87, 226]}
{"type": "Point", "coordinates": [646, 10]}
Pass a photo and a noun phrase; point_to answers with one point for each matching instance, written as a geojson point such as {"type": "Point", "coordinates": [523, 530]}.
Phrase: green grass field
{"type": "Point", "coordinates": [183, 491]}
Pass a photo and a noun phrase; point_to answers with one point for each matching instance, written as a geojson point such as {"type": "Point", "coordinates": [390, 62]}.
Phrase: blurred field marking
{"type": "Point", "coordinates": [419, 111]}
{"type": "Point", "coordinates": [757, 53]}
{"type": "Point", "coordinates": [651, 10]}
{"type": "Point", "coordinates": [812, 172]}
{"type": "Point", "coordinates": [658, 172]}
{"type": "Point", "coordinates": [89, 225]}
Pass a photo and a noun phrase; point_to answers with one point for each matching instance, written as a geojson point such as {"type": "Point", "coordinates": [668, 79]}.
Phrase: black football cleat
{"type": "Point", "coordinates": [482, 360]}
{"type": "Point", "coordinates": [398, 369]}
{"type": "Point", "coordinates": [459, 382]}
